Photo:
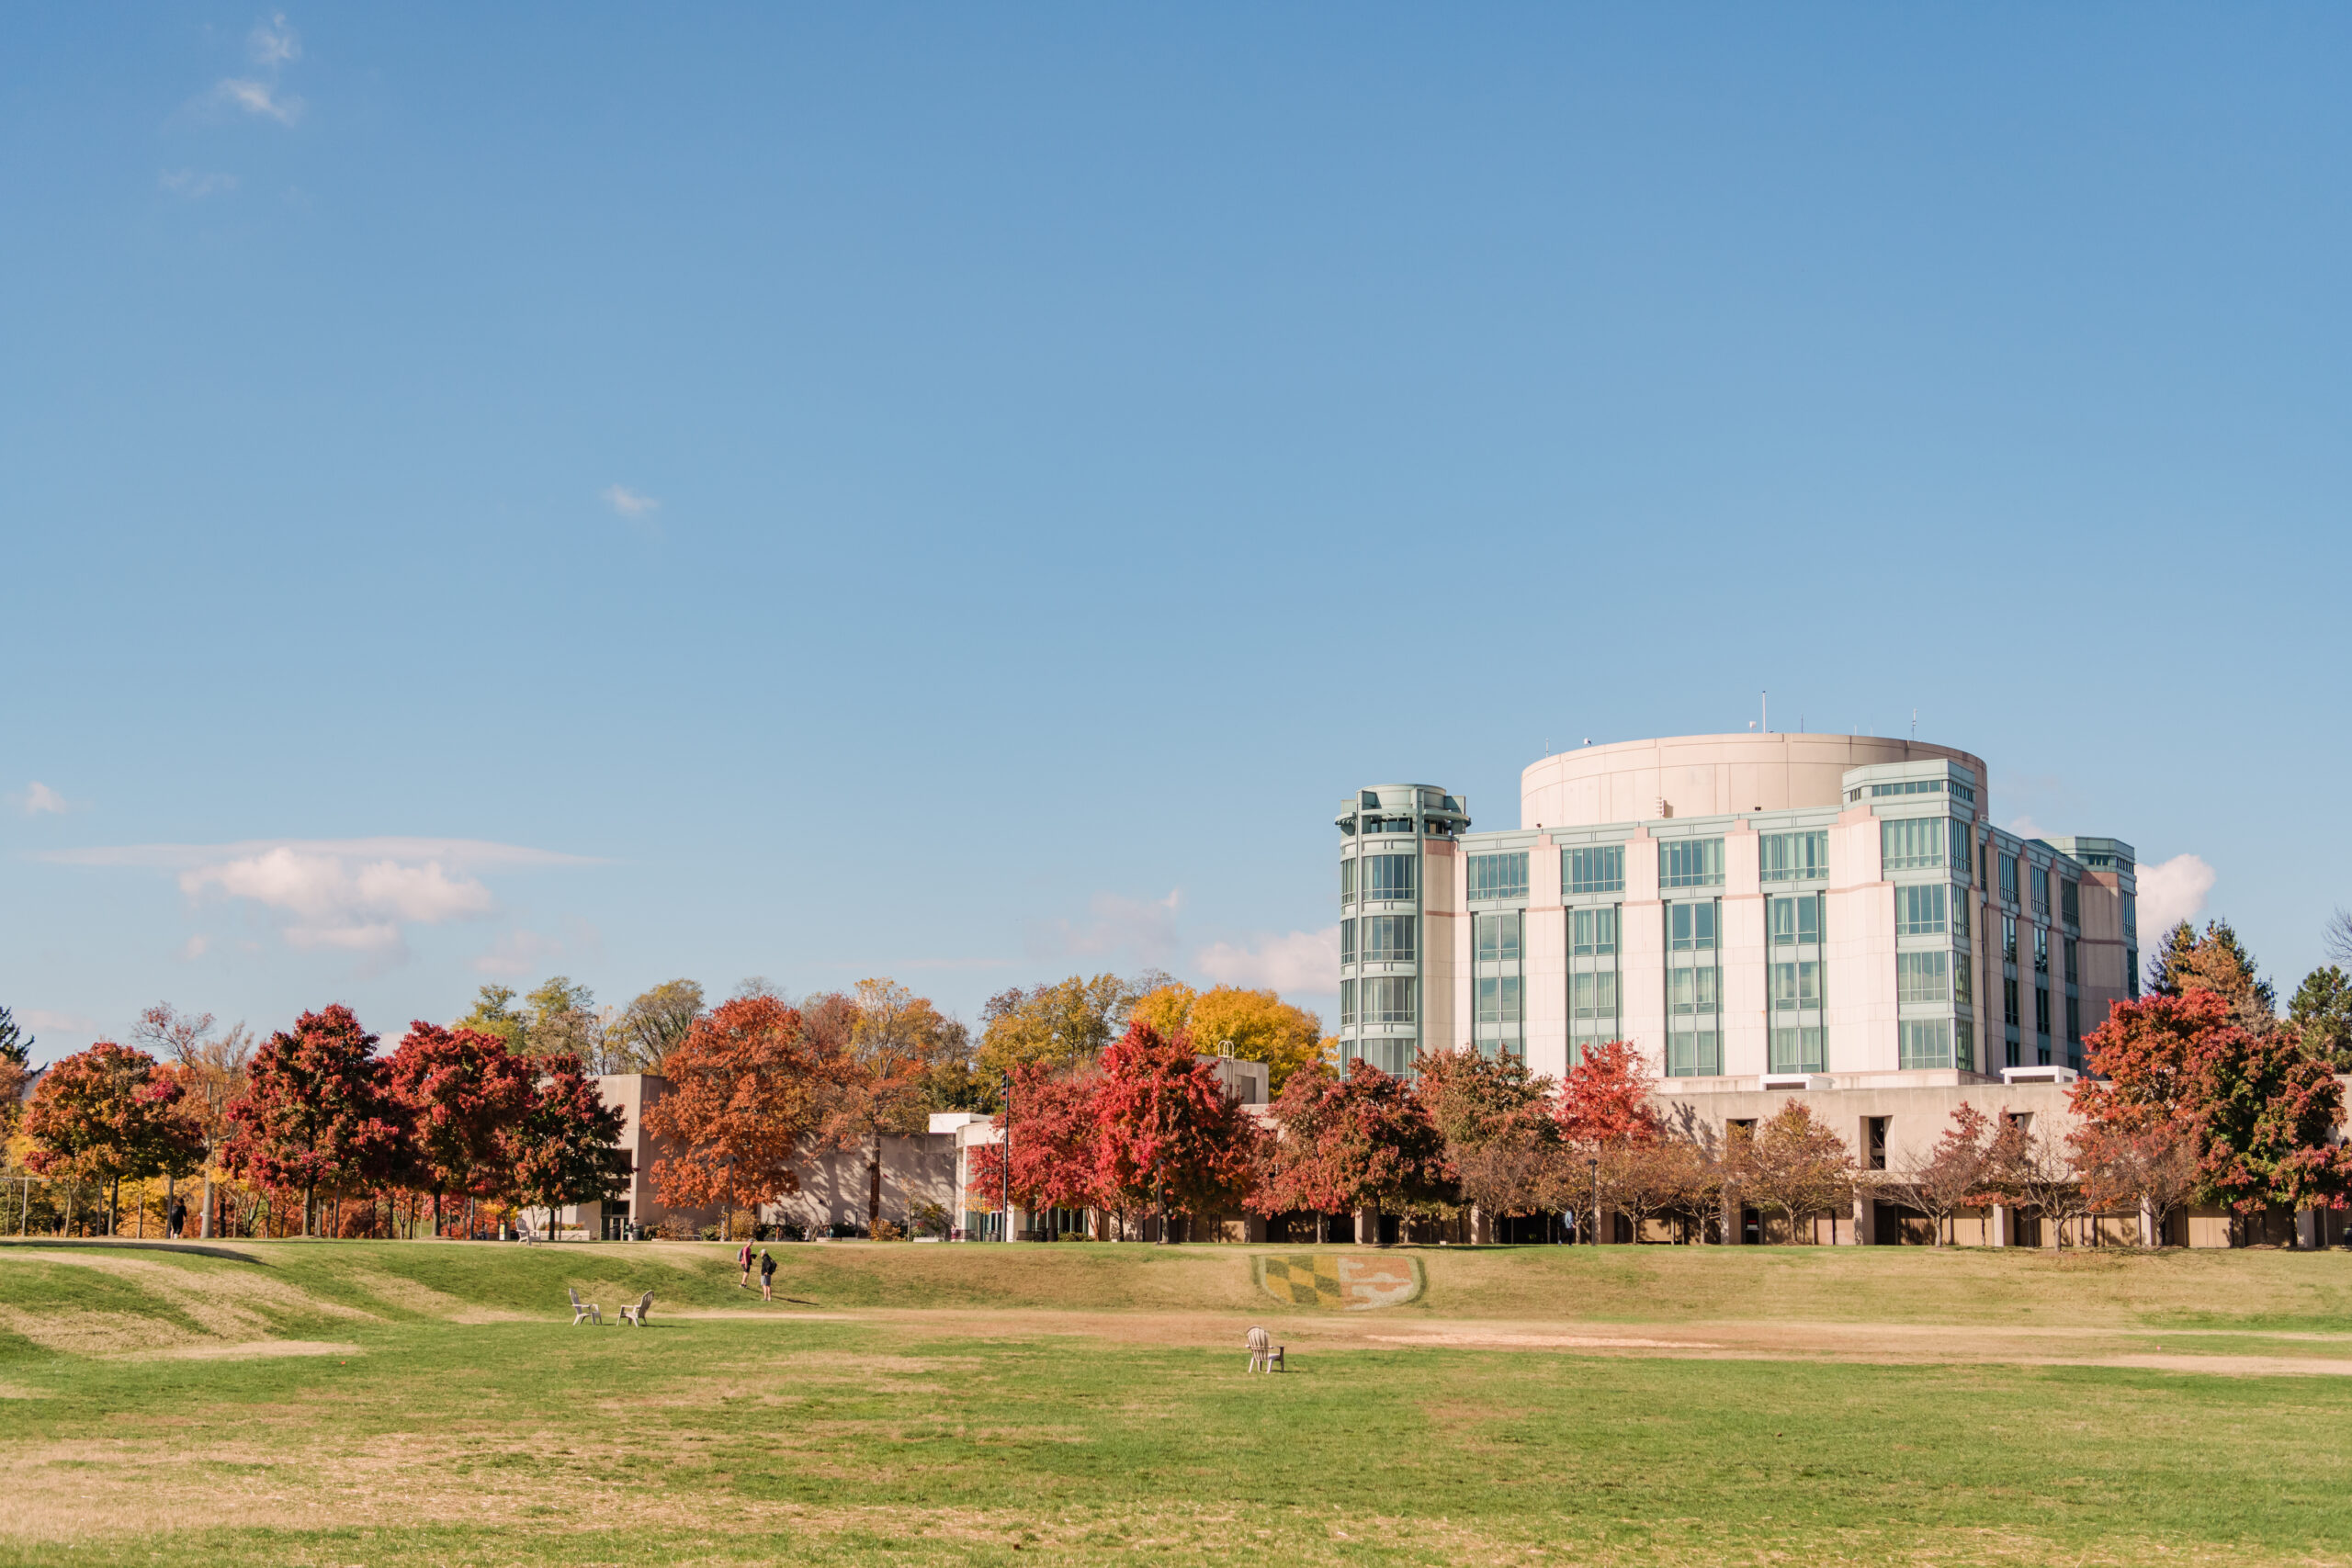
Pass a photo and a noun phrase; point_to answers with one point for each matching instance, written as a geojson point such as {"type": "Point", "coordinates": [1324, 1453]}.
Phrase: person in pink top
{"type": "Point", "coordinates": [744, 1258]}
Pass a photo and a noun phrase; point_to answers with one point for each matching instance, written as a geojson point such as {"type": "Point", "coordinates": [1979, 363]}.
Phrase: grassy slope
{"type": "Point", "coordinates": [507, 1440]}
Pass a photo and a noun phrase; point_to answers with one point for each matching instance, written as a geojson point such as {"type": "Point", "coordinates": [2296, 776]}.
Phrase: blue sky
{"type": "Point", "coordinates": [963, 492]}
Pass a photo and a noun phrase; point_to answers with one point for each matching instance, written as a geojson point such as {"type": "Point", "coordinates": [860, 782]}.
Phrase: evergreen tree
{"type": "Point", "coordinates": [15, 1045]}
{"type": "Point", "coordinates": [2322, 1014]}
{"type": "Point", "coordinates": [2219, 963]}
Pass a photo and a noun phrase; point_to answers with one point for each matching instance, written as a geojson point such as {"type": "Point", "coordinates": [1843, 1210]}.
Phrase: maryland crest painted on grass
{"type": "Point", "coordinates": [1339, 1280]}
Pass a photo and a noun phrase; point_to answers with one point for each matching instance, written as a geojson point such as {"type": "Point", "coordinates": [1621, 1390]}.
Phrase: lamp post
{"type": "Point", "coordinates": [1004, 1157]}
{"type": "Point", "coordinates": [1593, 1165]}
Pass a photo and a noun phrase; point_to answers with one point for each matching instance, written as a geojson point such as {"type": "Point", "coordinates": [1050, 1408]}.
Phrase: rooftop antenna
{"type": "Point", "coordinates": [1915, 724]}
{"type": "Point", "coordinates": [1765, 701]}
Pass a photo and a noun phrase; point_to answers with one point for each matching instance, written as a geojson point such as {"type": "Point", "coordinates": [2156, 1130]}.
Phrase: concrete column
{"type": "Point", "coordinates": [1367, 1227]}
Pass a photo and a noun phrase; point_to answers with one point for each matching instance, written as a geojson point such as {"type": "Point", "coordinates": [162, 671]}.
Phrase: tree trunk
{"type": "Point", "coordinates": [114, 1210]}
{"type": "Point", "coordinates": [309, 1207]}
{"type": "Point", "coordinates": [874, 1184]}
{"type": "Point", "coordinates": [204, 1225]}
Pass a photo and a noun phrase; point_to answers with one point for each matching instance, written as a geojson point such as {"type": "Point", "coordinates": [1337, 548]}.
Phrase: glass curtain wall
{"type": "Point", "coordinates": [1591, 879]}
{"type": "Point", "coordinates": [1694, 986]}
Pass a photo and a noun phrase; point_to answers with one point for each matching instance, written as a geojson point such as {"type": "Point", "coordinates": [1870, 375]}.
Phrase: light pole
{"type": "Point", "coordinates": [1004, 1161]}
{"type": "Point", "coordinates": [1593, 1165]}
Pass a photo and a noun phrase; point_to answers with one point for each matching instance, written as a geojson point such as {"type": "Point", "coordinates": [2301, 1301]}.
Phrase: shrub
{"type": "Point", "coordinates": [884, 1231]}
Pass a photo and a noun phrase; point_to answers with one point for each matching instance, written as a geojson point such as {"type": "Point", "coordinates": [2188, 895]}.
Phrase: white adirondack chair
{"type": "Point", "coordinates": [584, 1312]}
{"type": "Point", "coordinates": [637, 1315]}
{"type": "Point", "coordinates": [1265, 1356]}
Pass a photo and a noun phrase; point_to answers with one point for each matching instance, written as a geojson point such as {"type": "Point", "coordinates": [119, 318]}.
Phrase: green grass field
{"type": "Point", "coordinates": [365, 1403]}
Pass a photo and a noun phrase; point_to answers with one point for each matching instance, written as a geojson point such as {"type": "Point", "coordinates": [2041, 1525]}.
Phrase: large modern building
{"type": "Point", "coordinates": [1751, 911]}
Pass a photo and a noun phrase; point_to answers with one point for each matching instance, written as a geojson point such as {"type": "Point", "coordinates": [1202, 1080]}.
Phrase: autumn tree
{"type": "Point", "coordinates": [2321, 1016]}
{"type": "Point", "coordinates": [463, 1091]}
{"type": "Point", "coordinates": [210, 1068]}
{"type": "Point", "coordinates": [1060, 1025]}
{"type": "Point", "coordinates": [316, 1113]}
{"type": "Point", "coordinates": [653, 1024]}
{"type": "Point", "coordinates": [1055, 1136]}
{"type": "Point", "coordinates": [107, 1113]}
{"type": "Point", "coordinates": [2261, 1110]}
{"type": "Point", "coordinates": [1506, 1149]}
{"type": "Point", "coordinates": [561, 1020]}
{"type": "Point", "coordinates": [494, 1012]}
{"type": "Point", "coordinates": [2149, 1169]}
{"type": "Point", "coordinates": [565, 1147]}
{"type": "Point", "coordinates": [2033, 1171]}
{"type": "Point", "coordinates": [1605, 1099]}
{"type": "Point", "coordinates": [1170, 1133]}
{"type": "Point", "coordinates": [1253, 1026]}
{"type": "Point", "coordinates": [1364, 1141]}
{"type": "Point", "coordinates": [877, 1079]}
{"type": "Point", "coordinates": [1943, 1178]}
{"type": "Point", "coordinates": [2215, 961]}
{"type": "Point", "coordinates": [1793, 1164]}
{"type": "Point", "coordinates": [15, 1067]}
{"type": "Point", "coordinates": [740, 1104]}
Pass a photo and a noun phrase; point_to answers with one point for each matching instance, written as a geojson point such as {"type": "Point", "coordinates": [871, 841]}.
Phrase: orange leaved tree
{"type": "Point", "coordinates": [742, 1098]}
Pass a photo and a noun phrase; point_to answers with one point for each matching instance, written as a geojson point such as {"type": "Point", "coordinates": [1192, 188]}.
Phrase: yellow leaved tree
{"type": "Point", "coordinates": [1257, 1026]}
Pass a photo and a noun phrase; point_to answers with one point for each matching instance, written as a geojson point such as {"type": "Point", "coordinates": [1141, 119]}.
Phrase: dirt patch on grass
{"type": "Point", "coordinates": [205, 1350]}
{"type": "Point", "coordinates": [398, 1290]}
{"type": "Point", "coordinates": [72, 1333]}
{"type": "Point", "coordinates": [234, 1304]}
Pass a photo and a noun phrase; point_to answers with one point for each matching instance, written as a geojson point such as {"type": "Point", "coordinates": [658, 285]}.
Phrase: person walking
{"type": "Point", "coordinates": [744, 1258]}
{"type": "Point", "coordinates": [178, 1220]}
{"type": "Point", "coordinates": [767, 1276]}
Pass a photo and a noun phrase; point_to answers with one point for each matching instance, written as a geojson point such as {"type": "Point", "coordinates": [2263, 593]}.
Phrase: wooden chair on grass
{"type": "Point", "coordinates": [584, 1312]}
{"type": "Point", "coordinates": [1265, 1356]}
{"type": "Point", "coordinates": [637, 1315]}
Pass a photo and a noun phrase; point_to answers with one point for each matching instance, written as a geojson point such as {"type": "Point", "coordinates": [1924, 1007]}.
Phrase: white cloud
{"type": "Point", "coordinates": [259, 98]}
{"type": "Point", "coordinates": [274, 43]}
{"type": "Point", "coordinates": [518, 953]}
{"type": "Point", "coordinates": [629, 502]}
{"type": "Point", "coordinates": [193, 949]}
{"type": "Point", "coordinates": [1300, 963]}
{"type": "Point", "coordinates": [337, 895]}
{"type": "Point", "coordinates": [192, 186]}
{"type": "Point", "coordinates": [1145, 928]}
{"type": "Point", "coordinates": [35, 1020]}
{"type": "Point", "coordinates": [36, 799]}
{"type": "Point", "coordinates": [2171, 892]}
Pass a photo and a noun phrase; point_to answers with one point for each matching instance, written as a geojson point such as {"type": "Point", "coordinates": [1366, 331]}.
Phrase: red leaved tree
{"type": "Point", "coordinates": [565, 1146]}
{"type": "Point", "coordinates": [1359, 1142]}
{"type": "Point", "coordinates": [316, 1113]}
{"type": "Point", "coordinates": [1169, 1135]}
{"type": "Point", "coordinates": [107, 1112]}
{"type": "Point", "coordinates": [2259, 1108]}
{"type": "Point", "coordinates": [1950, 1174]}
{"type": "Point", "coordinates": [1502, 1138]}
{"type": "Point", "coordinates": [1055, 1139]}
{"type": "Point", "coordinates": [464, 1091]}
{"type": "Point", "coordinates": [741, 1099]}
{"type": "Point", "coordinates": [1605, 1099]}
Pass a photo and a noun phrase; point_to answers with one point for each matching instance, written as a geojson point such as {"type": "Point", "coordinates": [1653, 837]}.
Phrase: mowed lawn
{"type": "Point", "coordinates": [445, 1412]}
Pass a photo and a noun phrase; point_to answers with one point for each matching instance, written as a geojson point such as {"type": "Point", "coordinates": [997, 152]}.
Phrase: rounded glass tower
{"type": "Point", "coordinates": [1399, 849]}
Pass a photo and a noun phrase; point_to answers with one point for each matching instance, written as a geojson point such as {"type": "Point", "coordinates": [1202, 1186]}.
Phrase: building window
{"type": "Point", "coordinates": [2041, 950]}
{"type": "Point", "coordinates": [1960, 837]}
{"type": "Point", "coordinates": [1794, 857]}
{"type": "Point", "coordinates": [1592, 998]}
{"type": "Point", "coordinates": [2074, 1021]}
{"type": "Point", "coordinates": [1690, 927]}
{"type": "Point", "coordinates": [2041, 1011]}
{"type": "Point", "coordinates": [1498, 938]}
{"type": "Point", "coordinates": [1499, 999]}
{"type": "Point", "coordinates": [2131, 972]}
{"type": "Point", "coordinates": [1691, 862]}
{"type": "Point", "coordinates": [1698, 1054]}
{"type": "Point", "coordinates": [1796, 987]}
{"type": "Point", "coordinates": [1498, 875]}
{"type": "Point", "coordinates": [1388, 939]}
{"type": "Point", "coordinates": [1922, 978]}
{"type": "Point", "coordinates": [1794, 921]}
{"type": "Point", "coordinates": [2072, 973]}
{"type": "Point", "coordinates": [1347, 1002]}
{"type": "Point", "coordinates": [1912, 843]}
{"type": "Point", "coordinates": [1347, 942]}
{"type": "Point", "coordinates": [1592, 931]}
{"type": "Point", "coordinates": [2008, 879]}
{"type": "Point", "coordinates": [1919, 909]}
{"type": "Point", "coordinates": [1348, 881]}
{"type": "Point", "coordinates": [1388, 877]}
{"type": "Point", "coordinates": [2041, 881]}
{"type": "Point", "coordinates": [1599, 869]}
{"type": "Point", "coordinates": [2070, 901]}
{"type": "Point", "coordinates": [2010, 1013]}
{"type": "Point", "coordinates": [1801, 1050]}
{"type": "Point", "coordinates": [1959, 913]}
{"type": "Point", "coordinates": [1962, 986]}
{"type": "Point", "coordinates": [1925, 1042]}
{"type": "Point", "coordinates": [2008, 939]}
{"type": "Point", "coordinates": [2131, 920]}
{"type": "Point", "coordinates": [1388, 999]}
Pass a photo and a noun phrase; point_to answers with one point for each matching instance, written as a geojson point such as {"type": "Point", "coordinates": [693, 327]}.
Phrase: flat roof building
{"type": "Point", "coordinates": [1751, 908]}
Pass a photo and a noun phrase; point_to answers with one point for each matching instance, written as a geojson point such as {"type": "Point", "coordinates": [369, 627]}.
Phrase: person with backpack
{"type": "Point", "coordinates": [744, 1258]}
{"type": "Point", "coordinates": [767, 1276]}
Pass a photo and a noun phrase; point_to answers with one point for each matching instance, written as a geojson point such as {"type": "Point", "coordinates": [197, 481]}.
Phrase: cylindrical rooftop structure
{"type": "Point", "coordinates": [1709, 776]}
